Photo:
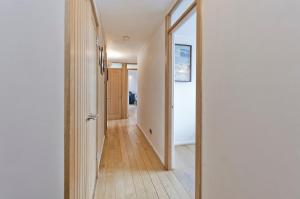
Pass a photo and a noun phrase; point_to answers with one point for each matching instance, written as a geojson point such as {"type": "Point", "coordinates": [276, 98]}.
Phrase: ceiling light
{"type": "Point", "coordinates": [126, 38]}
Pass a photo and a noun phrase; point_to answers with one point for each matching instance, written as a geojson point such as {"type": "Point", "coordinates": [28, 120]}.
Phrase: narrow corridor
{"type": "Point", "coordinates": [130, 168]}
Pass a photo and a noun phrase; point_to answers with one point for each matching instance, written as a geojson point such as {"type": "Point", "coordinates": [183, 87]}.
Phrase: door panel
{"type": "Point", "coordinates": [91, 152]}
{"type": "Point", "coordinates": [114, 94]}
{"type": "Point", "coordinates": [80, 100]}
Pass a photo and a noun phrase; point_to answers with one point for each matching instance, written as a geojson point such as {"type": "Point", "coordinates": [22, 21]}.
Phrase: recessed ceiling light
{"type": "Point", "coordinates": [126, 38]}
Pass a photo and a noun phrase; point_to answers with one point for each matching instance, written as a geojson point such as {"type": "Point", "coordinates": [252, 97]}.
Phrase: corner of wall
{"type": "Point", "coordinates": [160, 157]}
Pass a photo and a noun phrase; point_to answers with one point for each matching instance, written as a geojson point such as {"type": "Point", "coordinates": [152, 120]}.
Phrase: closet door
{"type": "Point", "coordinates": [92, 115]}
{"type": "Point", "coordinates": [114, 94]}
{"type": "Point", "coordinates": [80, 101]}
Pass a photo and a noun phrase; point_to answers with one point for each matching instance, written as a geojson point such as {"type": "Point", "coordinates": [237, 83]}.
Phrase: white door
{"type": "Point", "coordinates": [91, 108]}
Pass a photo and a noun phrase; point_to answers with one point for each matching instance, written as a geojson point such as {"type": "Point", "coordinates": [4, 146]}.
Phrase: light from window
{"type": "Point", "coordinates": [180, 9]}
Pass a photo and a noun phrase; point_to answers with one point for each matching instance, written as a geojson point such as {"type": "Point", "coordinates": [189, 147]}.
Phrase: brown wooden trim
{"type": "Point", "coordinates": [174, 7]}
{"type": "Point", "coordinates": [94, 9]}
{"type": "Point", "coordinates": [168, 134]}
{"type": "Point", "coordinates": [105, 91]}
{"type": "Point", "coordinates": [183, 16]}
{"type": "Point", "coordinates": [199, 93]}
{"type": "Point", "coordinates": [124, 92]}
{"type": "Point", "coordinates": [66, 102]}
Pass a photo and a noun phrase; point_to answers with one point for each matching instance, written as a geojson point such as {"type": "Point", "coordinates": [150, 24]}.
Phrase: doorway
{"type": "Point", "coordinates": [184, 101]}
{"type": "Point", "coordinates": [132, 93]}
{"type": "Point", "coordinates": [183, 95]}
{"type": "Point", "coordinates": [121, 90]}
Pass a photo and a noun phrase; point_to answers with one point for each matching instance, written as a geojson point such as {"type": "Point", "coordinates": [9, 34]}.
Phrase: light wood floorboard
{"type": "Point", "coordinates": [130, 169]}
{"type": "Point", "coordinates": [184, 167]}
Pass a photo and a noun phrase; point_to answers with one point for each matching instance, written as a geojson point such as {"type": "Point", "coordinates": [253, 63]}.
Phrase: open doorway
{"type": "Point", "coordinates": [184, 101]}
{"type": "Point", "coordinates": [182, 95]}
{"type": "Point", "coordinates": [121, 91]}
{"type": "Point", "coordinates": [132, 92]}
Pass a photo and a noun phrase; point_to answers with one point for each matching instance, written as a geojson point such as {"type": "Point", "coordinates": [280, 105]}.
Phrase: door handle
{"type": "Point", "coordinates": [92, 116]}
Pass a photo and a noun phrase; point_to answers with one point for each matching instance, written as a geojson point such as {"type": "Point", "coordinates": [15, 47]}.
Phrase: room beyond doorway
{"type": "Point", "coordinates": [132, 87]}
{"type": "Point", "coordinates": [184, 101]}
{"type": "Point", "coordinates": [121, 89]}
{"type": "Point", "coordinates": [182, 89]}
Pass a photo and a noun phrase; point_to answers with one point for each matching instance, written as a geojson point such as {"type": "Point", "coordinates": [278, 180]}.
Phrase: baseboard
{"type": "Point", "coordinates": [99, 156]}
{"type": "Point", "coordinates": [95, 186]}
{"type": "Point", "coordinates": [185, 142]}
{"type": "Point", "coordinates": [150, 143]}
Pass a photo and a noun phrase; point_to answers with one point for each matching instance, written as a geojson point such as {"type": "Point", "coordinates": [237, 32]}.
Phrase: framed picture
{"type": "Point", "coordinates": [183, 63]}
{"type": "Point", "coordinates": [101, 60]}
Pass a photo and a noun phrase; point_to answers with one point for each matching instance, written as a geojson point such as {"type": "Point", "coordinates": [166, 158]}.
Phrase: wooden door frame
{"type": "Point", "coordinates": [124, 91]}
{"type": "Point", "coordinates": [69, 98]}
{"type": "Point", "coordinates": [105, 90]}
{"type": "Point", "coordinates": [169, 28]}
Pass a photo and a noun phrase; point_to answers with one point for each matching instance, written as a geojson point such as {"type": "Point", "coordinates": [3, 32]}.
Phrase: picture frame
{"type": "Point", "coordinates": [101, 60]}
{"type": "Point", "coordinates": [183, 63]}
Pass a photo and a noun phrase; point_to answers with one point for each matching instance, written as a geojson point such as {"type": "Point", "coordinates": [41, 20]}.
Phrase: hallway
{"type": "Point", "coordinates": [130, 168]}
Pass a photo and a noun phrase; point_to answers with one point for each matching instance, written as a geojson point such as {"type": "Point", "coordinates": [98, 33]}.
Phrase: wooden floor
{"type": "Point", "coordinates": [184, 167]}
{"type": "Point", "coordinates": [131, 170]}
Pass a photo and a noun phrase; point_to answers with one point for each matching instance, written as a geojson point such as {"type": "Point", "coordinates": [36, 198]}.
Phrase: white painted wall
{"type": "Point", "coordinates": [151, 90]}
{"type": "Point", "coordinates": [185, 92]}
{"type": "Point", "coordinates": [251, 73]}
{"type": "Point", "coordinates": [32, 99]}
{"type": "Point", "coordinates": [132, 80]}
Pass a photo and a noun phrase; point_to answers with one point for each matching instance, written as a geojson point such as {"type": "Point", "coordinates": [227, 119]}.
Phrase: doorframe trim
{"type": "Point", "coordinates": [69, 185]}
{"type": "Point", "coordinates": [67, 101]}
{"type": "Point", "coordinates": [124, 91]}
{"type": "Point", "coordinates": [169, 28]}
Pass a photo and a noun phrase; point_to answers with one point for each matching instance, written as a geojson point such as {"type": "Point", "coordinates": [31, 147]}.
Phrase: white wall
{"type": "Point", "coordinates": [251, 73]}
{"type": "Point", "coordinates": [32, 99]}
{"type": "Point", "coordinates": [132, 80]}
{"type": "Point", "coordinates": [185, 92]}
{"type": "Point", "coordinates": [151, 91]}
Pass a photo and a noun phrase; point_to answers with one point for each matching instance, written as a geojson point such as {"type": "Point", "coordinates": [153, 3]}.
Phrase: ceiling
{"type": "Point", "coordinates": [137, 19]}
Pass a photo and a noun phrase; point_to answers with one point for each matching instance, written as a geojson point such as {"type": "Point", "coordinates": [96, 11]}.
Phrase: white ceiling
{"type": "Point", "coordinates": [136, 18]}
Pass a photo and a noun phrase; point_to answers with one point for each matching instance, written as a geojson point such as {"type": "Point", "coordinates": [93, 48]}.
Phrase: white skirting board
{"type": "Point", "coordinates": [154, 149]}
